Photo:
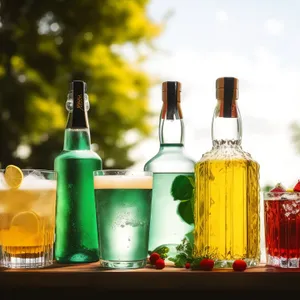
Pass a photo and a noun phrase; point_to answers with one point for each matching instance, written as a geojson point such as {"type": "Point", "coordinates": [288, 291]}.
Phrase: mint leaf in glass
{"type": "Point", "coordinates": [185, 211]}
{"type": "Point", "coordinates": [182, 187]}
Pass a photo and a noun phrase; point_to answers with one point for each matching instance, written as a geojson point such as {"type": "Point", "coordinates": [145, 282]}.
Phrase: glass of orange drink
{"type": "Point", "coordinates": [27, 217]}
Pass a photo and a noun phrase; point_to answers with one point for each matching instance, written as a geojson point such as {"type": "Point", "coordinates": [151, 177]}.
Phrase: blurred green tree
{"type": "Point", "coordinates": [46, 44]}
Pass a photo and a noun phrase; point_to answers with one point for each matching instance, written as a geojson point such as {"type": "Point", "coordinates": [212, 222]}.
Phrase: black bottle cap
{"type": "Point", "coordinates": [77, 82]}
{"type": "Point", "coordinates": [79, 119]}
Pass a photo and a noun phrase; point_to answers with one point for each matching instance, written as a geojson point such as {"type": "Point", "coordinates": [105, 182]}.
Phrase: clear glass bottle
{"type": "Point", "coordinates": [76, 228]}
{"type": "Point", "coordinates": [171, 215]}
{"type": "Point", "coordinates": [226, 211]}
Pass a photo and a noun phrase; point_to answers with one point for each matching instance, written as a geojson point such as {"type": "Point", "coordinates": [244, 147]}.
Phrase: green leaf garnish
{"type": "Point", "coordinates": [185, 254]}
{"type": "Point", "coordinates": [161, 250]}
{"type": "Point", "coordinates": [185, 211]}
{"type": "Point", "coordinates": [182, 188]}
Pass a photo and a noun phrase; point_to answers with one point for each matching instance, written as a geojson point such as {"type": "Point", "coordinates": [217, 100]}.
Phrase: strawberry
{"type": "Point", "coordinates": [153, 258]}
{"type": "Point", "coordinates": [239, 265]}
{"type": "Point", "coordinates": [160, 263]}
{"type": "Point", "coordinates": [206, 264]}
{"type": "Point", "coordinates": [297, 187]}
{"type": "Point", "coordinates": [278, 189]}
{"type": "Point", "coordinates": [187, 265]}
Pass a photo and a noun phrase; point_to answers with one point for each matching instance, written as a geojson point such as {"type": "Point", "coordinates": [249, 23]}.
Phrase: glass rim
{"type": "Point", "coordinates": [122, 172]}
{"type": "Point", "coordinates": [277, 195]}
{"type": "Point", "coordinates": [43, 171]}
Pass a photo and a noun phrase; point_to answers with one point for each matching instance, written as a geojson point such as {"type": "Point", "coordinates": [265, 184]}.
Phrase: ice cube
{"type": "Point", "coordinates": [30, 180]}
{"type": "Point", "coordinates": [3, 184]}
{"type": "Point", "coordinates": [291, 208]}
{"type": "Point", "coordinates": [36, 175]}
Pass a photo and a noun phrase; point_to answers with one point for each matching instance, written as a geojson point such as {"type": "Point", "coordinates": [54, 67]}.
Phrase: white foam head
{"type": "Point", "coordinates": [122, 182]}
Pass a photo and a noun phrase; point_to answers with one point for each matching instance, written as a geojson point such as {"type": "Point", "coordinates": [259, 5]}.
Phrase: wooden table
{"type": "Point", "coordinates": [91, 280]}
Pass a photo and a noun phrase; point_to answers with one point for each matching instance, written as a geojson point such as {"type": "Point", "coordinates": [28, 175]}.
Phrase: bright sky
{"type": "Point", "coordinates": [256, 41]}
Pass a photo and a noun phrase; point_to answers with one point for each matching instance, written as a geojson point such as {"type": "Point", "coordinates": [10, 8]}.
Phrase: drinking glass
{"type": "Point", "coordinates": [27, 220]}
{"type": "Point", "coordinates": [282, 229]}
{"type": "Point", "coordinates": [123, 210]}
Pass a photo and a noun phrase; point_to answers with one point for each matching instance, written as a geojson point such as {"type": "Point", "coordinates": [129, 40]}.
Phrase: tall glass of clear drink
{"type": "Point", "coordinates": [27, 217]}
{"type": "Point", "coordinates": [123, 210]}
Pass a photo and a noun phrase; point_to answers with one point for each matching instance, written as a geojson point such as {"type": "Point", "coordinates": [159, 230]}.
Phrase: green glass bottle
{"type": "Point", "coordinates": [173, 173]}
{"type": "Point", "coordinates": [76, 239]}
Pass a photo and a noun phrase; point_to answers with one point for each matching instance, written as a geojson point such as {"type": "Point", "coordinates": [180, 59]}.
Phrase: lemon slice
{"type": "Point", "coordinates": [27, 221]}
{"type": "Point", "coordinates": [13, 176]}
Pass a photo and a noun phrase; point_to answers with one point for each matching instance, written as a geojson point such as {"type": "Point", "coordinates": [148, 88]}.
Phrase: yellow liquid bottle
{"type": "Point", "coordinates": [226, 212]}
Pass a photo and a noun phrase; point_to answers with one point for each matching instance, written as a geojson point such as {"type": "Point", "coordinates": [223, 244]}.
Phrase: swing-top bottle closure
{"type": "Point", "coordinates": [70, 99]}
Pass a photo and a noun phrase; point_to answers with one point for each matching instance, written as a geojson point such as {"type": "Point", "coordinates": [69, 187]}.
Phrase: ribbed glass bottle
{"type": "Point", "coordinates": [226, 212]}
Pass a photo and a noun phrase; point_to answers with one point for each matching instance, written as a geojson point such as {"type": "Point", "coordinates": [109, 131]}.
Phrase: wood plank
{"type": "Point", "coordinates": [91, 276]}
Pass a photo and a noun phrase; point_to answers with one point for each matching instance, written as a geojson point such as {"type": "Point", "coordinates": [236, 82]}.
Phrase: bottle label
{"type": "Point", "coordinates": [79, 102]}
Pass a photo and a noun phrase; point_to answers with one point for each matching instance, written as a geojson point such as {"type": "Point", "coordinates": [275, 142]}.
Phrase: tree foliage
{"type": "Point", "coordinates": [46, 44]}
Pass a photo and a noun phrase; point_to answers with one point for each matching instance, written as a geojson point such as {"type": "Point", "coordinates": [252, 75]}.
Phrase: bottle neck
{"type": "Point", "coordinates": [77, 132]}
{"type": "Point", "coordinates": [76, 138]}
{"type": "Point", "coordinates": [226, 127]}
{"type": "Point", "coordinates": [171, 128]}
{"type": "Point", "coordinates": [171, 132]}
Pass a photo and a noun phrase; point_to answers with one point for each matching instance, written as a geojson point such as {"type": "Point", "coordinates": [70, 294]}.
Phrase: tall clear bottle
{"type": "Point", "coordinates": [76, 228]}
{"type": "Point", "coordinates": [226, 208]}
{"type": "Point", "coordinates": [173, 173]}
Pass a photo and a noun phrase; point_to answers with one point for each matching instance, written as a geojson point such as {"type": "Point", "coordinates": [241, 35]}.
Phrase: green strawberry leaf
{"type": "Point", "coordinates": [180, 260]}
{"type": "Point", "coordinates": [161, 250]}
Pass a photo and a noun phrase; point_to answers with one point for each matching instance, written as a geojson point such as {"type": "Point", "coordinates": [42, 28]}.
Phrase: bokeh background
{"type": "Point", "coordinates": [124, 49]}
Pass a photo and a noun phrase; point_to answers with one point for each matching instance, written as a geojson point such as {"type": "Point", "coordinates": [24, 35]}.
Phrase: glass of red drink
{"type": "Point", "coordinates": [282, 229]}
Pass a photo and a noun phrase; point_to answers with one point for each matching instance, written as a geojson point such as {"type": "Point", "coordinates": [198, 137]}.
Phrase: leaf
{"type": "Point", "coordinates": [184, 254]}
{"type": "Point", "coordinates": [190, 237]}
{"type": "Point", "coordinates": [161, 250]}
{"type": "Point", "coordinates": [180, 260]}
{"type": "Point", "coordinates": [36, 67]}
{"type": "Point", "coordinates": [182, 188]}
{"type": "Point", "coordinates": [185, 211]}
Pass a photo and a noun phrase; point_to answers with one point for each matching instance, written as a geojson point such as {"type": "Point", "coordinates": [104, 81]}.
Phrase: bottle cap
{"type": "Point", "coordinates": [227, 87]}
{"type": "Point", "coordinates": [77, 83]}
{"type": "Point", "coordinates": [171, 92]}
{"type": "Point", "coordinates": [227, 91]}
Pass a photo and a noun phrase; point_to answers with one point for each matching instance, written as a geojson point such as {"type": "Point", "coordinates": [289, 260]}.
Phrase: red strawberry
{"type": "Point", "coordinates": [187, 265]}
{"type": "Point", "coordinates": [153, 258]}
{"type": "Point", "coordinates": [206, 264]}
{"type": "Point", "coordinates": [278, 189]}
{"type": "Point", "coordinates": [239, 265]}
{"type": "Point", "coordinates": [297, 187]}
{"type": "Point", "coordinates": [160, 263]}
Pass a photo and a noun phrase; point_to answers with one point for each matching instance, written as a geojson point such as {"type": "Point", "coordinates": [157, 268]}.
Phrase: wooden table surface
{"type": "Point", "coordinates": [90, 277]}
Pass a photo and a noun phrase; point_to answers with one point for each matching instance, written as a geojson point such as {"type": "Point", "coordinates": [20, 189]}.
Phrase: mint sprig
{"type": "Point", "coordinates": [185, 255]}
